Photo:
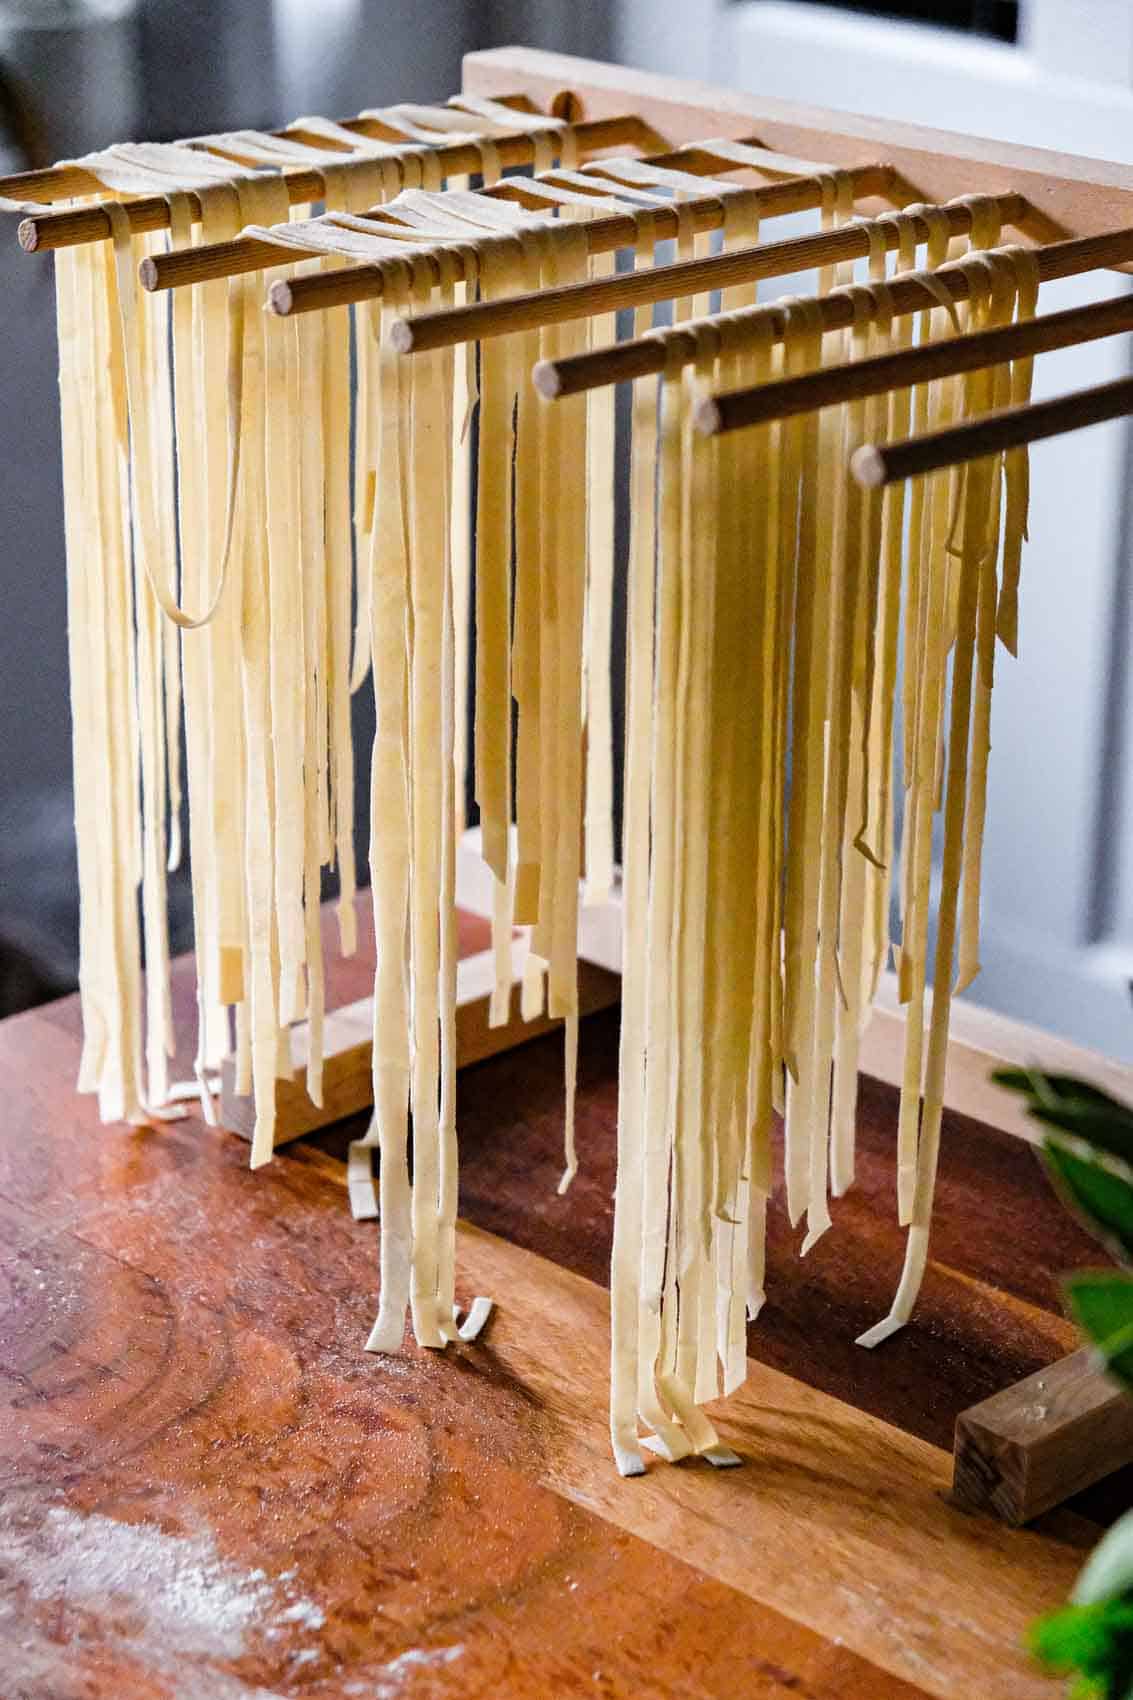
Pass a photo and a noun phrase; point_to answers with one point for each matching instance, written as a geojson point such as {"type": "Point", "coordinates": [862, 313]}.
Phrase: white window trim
{"type": "Point", "coordinates": [824, 56]}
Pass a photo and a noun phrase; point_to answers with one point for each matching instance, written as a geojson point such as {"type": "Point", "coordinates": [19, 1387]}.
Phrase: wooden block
{"type": "Point", "coordinates": [1031, 1447]}
{"type": "Point", "coordinates": [347, 1087]}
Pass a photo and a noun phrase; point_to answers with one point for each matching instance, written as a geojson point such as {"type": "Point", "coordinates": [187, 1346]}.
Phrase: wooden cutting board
{"type": "Point", "coordinates": [208, 1491]}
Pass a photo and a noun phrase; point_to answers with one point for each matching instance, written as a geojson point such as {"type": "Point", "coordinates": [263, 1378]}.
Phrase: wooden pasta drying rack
{"type": "Point", "coordinates": [1008, 1459]}
{"type": "Point", "coordinates": [1064, 196]}
{"type": "Point", "coordinates": [1016, 1465]}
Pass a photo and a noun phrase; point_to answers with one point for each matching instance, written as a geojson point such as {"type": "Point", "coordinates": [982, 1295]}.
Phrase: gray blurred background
{"type": "Point", "coordinates": [1058, 925]}
{"type": "Point", "coordinates": [75, 76]}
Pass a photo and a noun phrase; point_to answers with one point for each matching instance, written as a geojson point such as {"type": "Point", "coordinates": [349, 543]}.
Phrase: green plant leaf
{"type": "Point", "coordinates": [1075, 1638]}
{"type": "Point", "coordinates": [1089, 1157]}
{"type": "Point", "coordinates": [1095, 1641]}
{"type": "Point", "coordinates": [1100, 1129]}
{"type": "Point", "coordinates": [1055, 1088]}
{"type": "Point", "coordinates": [1102, 1305]}
{"type": "Point", "coordinates": [1077, 1108]}
{"type": "Point", "coordinates": [1101, 1197]}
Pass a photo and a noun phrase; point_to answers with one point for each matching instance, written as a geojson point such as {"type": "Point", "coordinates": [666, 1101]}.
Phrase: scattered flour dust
{"type": "Point", "coordinates": [304, 1612]}
{"type": "Point", "coordinates": [176, 1600]}
{"type": "Point", "coordinates": [175, 1596]}
{"type": "Point", "coordinates": [390, 1682]}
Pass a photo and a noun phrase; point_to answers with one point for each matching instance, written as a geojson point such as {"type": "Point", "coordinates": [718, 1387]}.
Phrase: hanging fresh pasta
{"type": "Point", "coordinates": [789, 634]}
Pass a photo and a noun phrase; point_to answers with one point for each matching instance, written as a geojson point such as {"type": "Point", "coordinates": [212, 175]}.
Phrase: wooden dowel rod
{"type": "Point", "coordinates": [661, 283]}
{"type": "Point", "coordinates": [51, 183]}
{"type": "Point", "coordinates": [854, 380]}
{"type": "Point", "coordinates": [90, 224]}
{"type": "Point", "coordinates": [60, 182]}
{"type": "Point", "coordinates": [1007, 428]}
{"type": "Point", "coordinates": [604, 236]}
{"type": "Point", "coordinates": [248, 254]}
{"type": "Point", "coordinates": [642, 356]}
{"type": "Point", "coordinates": [184, 266]}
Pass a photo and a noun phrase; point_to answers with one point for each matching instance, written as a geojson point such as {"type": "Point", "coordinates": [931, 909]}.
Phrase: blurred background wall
{"type": "Point", "coordinates": [1059, 888]}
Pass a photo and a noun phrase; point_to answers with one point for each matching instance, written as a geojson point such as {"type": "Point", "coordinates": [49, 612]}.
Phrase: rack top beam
{"type": "Point", "coordinates": [1078, 196]}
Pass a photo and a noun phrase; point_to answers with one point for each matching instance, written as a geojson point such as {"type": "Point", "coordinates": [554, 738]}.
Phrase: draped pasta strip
{"type": "Point", "coordinates": [1000, 282]}
{"type": "Point", "coordinates": [414, 668]}
{"type": "Point", "coordinates": [152, 562]}
{"type": "Point", "coordinates": [256, 923]}
{"type": "Point", "coordinates": [121, 552]}
{"type": "Point", "coordinates": [781, 622]}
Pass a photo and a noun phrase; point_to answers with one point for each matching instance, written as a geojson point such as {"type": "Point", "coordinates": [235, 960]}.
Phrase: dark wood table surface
{"type": "Point", "coordinates": [209, 1491]}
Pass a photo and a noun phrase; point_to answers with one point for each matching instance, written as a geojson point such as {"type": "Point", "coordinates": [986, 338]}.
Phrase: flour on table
{"type": "Point", "coordinates": [173, 1596]}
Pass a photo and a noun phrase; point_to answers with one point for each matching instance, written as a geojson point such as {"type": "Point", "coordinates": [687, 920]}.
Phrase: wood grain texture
{"type": "Point", "coordinates": [852, 1510]}
{"type": "Point", "coordinates": [209, 1492]}
{"type": "Point", "coordinates": [187, 1406]}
